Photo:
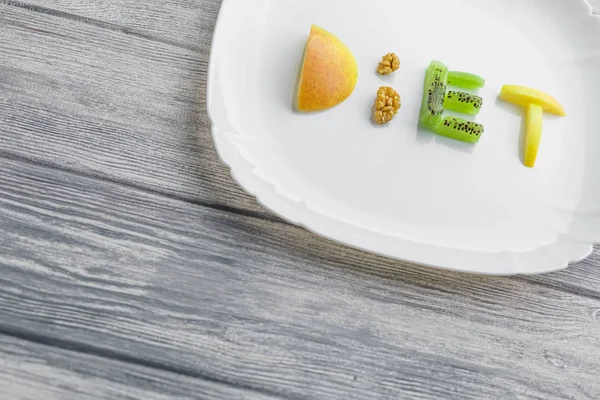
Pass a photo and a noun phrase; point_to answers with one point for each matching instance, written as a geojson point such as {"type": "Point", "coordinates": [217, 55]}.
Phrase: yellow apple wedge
{"type": "Point", "coordinates": [536, 103]}
{"type": "Point", "coordinates": [534, 119]}
{"type": "Point", "coordinates": [329, 72]}
{"type": "Point", "coordinates": [523, 96]}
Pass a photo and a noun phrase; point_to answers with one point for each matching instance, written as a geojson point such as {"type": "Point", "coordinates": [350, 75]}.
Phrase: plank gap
{"type": "Point", "coordinates": [173, 196]}
{"type": "Point", "coordinates": [89, 349]}
{"type": "Point", "coordinates": [31, 370]}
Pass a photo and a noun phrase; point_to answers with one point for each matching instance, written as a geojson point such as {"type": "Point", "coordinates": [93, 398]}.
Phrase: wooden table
{"type": "Point", "coordinates": [132, 266]}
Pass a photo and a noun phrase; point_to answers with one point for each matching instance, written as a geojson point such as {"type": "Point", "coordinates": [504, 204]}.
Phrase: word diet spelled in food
{"type": "Point", "coordinates": [329, 75]}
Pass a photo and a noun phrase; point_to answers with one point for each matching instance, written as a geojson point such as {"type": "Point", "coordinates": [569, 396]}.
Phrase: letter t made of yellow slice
{"type": "Point", "coordinates": [536, 103]}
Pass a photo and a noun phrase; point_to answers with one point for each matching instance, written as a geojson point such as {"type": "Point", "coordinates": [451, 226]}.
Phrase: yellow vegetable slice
{"type": "Point", "coordinates": [534, 119]}
{"type": "Point", "coordinates": [523, 96]}
{"type": "Point", "coordinates": [536, 103]}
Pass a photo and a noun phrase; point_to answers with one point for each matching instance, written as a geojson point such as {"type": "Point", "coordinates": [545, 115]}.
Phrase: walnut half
{"type": "Point", "coordinates": [387, 105]}
{"type": "Point", "coordinates": [389, 63]}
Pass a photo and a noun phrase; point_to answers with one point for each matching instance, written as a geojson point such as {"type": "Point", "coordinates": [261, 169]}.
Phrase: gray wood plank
{"type": "Point", "coordinates": [186, 23]}
{"type": "Point", "coordinates": [266, 306]}
{"type": "Point", "coordinates": [33, 371]}
{"type": "Point", "coordinates": [110, 105]}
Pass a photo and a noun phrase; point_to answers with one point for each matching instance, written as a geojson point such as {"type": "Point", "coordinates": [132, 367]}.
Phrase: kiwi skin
{"type": "Point", "coordinates": [434, 92]}
{"type": "Point", "coordinates": [465, 103]}
{"type": "Point", "coordinates": [460, 129]}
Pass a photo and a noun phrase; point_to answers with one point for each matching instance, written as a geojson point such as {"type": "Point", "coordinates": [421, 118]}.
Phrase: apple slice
{"type": "Point", "coordinates": [329, 72]}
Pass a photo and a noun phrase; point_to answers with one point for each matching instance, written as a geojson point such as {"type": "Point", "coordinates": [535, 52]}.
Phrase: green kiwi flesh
{"type": "Point", "coordinates": [460, 129]}
{"type": "Point", "coordinates": [465, 80]}
{"type": "Point", "coordinates": [464, 103]}
{"type": "Point", "coordinates": [434, 93]}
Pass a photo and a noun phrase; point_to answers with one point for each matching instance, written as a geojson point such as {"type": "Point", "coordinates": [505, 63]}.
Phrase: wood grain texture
{"type": "Point", "coordinates": [115, 271]}
{"type": "Point", "coordinates": [32, 371]}
{"type": "Point", "coordinates": [185, 23]}
{"type": "Point", "coordinates": [115, 106]}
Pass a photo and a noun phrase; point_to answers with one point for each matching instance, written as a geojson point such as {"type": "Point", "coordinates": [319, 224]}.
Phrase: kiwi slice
{"type": "Point", "coordinates": [434, 93]}
{"type": "Point", "coordinates": [464, 103]}
{"type": "Point", "coordinates": [465, 80]}
{"type": "Point", "coordinates": [460, 129]}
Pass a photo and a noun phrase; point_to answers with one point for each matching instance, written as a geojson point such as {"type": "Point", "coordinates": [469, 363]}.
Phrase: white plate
{"type": "Point", "coordinates": [397, 191]}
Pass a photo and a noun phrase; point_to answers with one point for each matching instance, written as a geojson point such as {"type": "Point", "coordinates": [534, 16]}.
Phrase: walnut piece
{"type": "Point", "coordinates": [389, 63]}
{"type": "Point", "coordinates": [387, 105]}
